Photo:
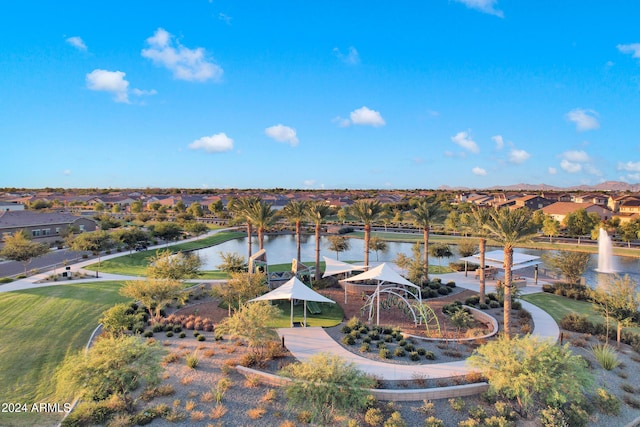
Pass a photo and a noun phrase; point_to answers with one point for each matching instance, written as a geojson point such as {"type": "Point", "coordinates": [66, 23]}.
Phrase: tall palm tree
{"type": "Point", "coordinates": [296, 212]}
{"type": "Point", "coordinates": [509, 227]}
{"type": "Point", "coordinates": [422, 216]}
{"type": "Point", "coordinates": [474, 222]}
{"type": "Point", "coordinates": [240, 209]}
{"type": "Point", "coordinates": [317, 212]}
{"type": "Point", "coordinates": [262, 215]}
{"type": "Point", "coordinates": [367, 212]}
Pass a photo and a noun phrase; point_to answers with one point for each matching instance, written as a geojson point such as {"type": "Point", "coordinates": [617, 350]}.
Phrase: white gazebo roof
{"type": "Point", "coordinates": [293, 289]}
{"type": "Point", "coordinates": [333, 267]}
{"type": "Point", "coordinates": [496, 259]}
{"type": "Point", "coordinates": [382, 273]}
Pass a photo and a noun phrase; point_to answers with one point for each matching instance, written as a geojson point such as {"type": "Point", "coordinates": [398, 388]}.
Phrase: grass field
{"type": "Point", "coordinates": [331, 315]}
{"type": "Point", "coordinates": [134, 264]}
{"type": "Point", "coordinates": [39, 327]}
{"type": "Point", "coordinates": [558, 306]}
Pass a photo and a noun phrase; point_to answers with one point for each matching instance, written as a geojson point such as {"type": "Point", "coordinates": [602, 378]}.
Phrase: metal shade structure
{"type": "Point", "coordinates": [496, 259]}
{"type": "Point", "coordinates": [294, 289]}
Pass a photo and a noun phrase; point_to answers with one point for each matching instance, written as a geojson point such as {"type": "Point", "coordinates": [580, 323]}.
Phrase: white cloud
{"type": "Point", "coordinates": [575, 156]}
{"type": "Point", "coordinates": [485, 6]}
{"type": "Point", "coordinates": [570, 167]}
{"type": "Point", "coordinates": [518, 156]}
{"type": "Point", "coordinates": [552, 170]}
{"type": "Point", "coordinates": [140, 92]}
{"type": "Point", "coordinates": [282, 133]}
{"type": "Point", "coordinates": [184, 63]}
{"type": "Point", "coordinates": [343, 123]}
{"type": "Point", "coordinates": [109, 81]}
{"type": "Point", "coordinates": [632, 48]}
{"type": "Point", "coordinates": [224, 18]}
{"type": "Point", "coordinates": [629, 166]}
{"type": "Point", "coordinates": [479, 171]}
{"type": "Point", "coordinates": [464, 140]}
{"type": "Point", "coordinates": [67, 172]}
{"type": "Point", "coordinates": [351, 58]}
{"type": "Point", "coordinates": [366, 117]}
{"type": "Point", "coordinates": [499, 141]}
{"type": "Point", "coordinates": [584, 119]}
{"type": "Point", "coordinates": [309, 182]}
{"type": "Point", "coordinates": [77, 42]}
{"type": "Point", "coordinates": [217, 143]}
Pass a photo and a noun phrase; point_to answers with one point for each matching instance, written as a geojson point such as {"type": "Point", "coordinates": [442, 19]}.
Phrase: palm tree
{"type": "Point", "coordinates": [367, 212]}
{"type": "Point", "coordinates": [262, 216]}
{"type": "Point", "coordinates": [296, 211]}
{"type": "Point", "coordinates": [474, 222]}
{"type": "Point", "coordinates": [241, 208]}
{"type": "Point", "coordinates": [317, 212]}
{"type": "Point", "coordinates": [509, 227]}
{"type": "Point", "coordinates": [423, 215]}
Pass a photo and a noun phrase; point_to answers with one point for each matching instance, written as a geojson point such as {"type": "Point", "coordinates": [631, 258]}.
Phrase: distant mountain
{"type": "Point", "coordinates": [603, 186]}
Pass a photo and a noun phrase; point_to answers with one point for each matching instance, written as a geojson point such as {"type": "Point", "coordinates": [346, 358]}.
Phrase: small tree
{"type": "Point", "coordinates": [440, 250]}
{"type": "Point", "coordinates": [532, 371]}
{"type": "Point", "coordinates": [130, 237]}
{"type": "Point", "coordinates": [232, 262]}
{"type": "Point", "coordinates": [618, 297]}
{"type": "Point", "coordinates": [571, 265]}
{"type": "Point", "coordinates": [167, 231]}
{"type": "Point", "coordinates": [19, 247]}
{"type": "Point", "coordinates": [250, 323]}
{"type": "Point", "coordinates": [414, 266]}
{"type": "Point", "coordinates": [113, 366]}
{"type": "Point", "coordinates": [241, 287]}
{"type": "Point", "coordinates": [550, 227]}
{"type": "Point", "coordinates": [339, 244]}
{"type": "Point", "coordinates": [179, 266]}
{"type": "Point", "coordinates": [152, 293]}
{"type": "Point", "coordinates": [467, 247]}
{"type": "Point", "coordinates": [326, 384]}
{"type": "Point", "coordinates": [377, 245]}
{"type": "Point", "coordinates": [116, 320]}
{"type": "Point", "coordinates": [94, 242]}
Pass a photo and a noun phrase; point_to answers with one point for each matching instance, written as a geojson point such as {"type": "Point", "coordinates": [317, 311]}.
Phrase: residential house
{"type": "Point", "coordinates": [560, 210]}
{"type": "Point", "coordinates": [533, 202]}
{"type": "Point", "coordinates": [45, 227]}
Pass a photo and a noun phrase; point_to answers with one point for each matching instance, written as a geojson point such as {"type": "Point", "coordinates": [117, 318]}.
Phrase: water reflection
{"type": "Point", "coordinates": [282, 249]}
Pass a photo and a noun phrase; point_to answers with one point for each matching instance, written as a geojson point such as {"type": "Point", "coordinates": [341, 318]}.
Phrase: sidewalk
{"type": "Point", "coordinates": [305, 342]}
{"type": "Point", "coordinates": [30, 282]}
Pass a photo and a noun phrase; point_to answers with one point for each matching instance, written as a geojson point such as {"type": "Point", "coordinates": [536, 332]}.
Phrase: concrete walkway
{"type": "Point", "coordinates": [30, 282]}
{"type": "Point", "coordinates": [305, 342]}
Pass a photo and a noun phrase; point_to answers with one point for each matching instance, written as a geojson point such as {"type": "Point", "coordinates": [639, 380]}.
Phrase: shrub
{"type": "Point", "coordinates": [147, 334]}
{"type": "Point", "coordinates": [395, 420]}
{"type": "Point", "coordinates": [474, 300]}
{"type": "Point", "coordinates": [444, 290]}
{"type": "Point", "coordinates": [577, 323]}
{"type": "Point", "coordinates": [457, 404]}
{"type": "Point", "coordinates": [177, 329]}
{"type": "Point", "coordinates": [366, 340]}
{"type": "Point", "coordinates": [552, 417]}
{"type": "Point", "coordinates": [421, 351]}
{"type": "Point", "coordinates": [345, 329]}
{"type": "Point", "coordinates": [497, 421]}
{"type": "Point", "coordinates": [182, 335]}
{"type": "Point", "coordinates": [478, 413]}
{"type": "Point", "coordinates": [414, 356]}
{"type": "Point", "coordinates": [606, 355]}
{"type": "Point", "coordinates": [192, 360]}
{"type": "Point", "coordinates": [201, 338]}
{"type": "Point", "coordinates": [494, 304]}
{"type": "Point", "coordinates": [607, 402]}
{"type": "Point", "coordinates": [373, 417]}
{"type": "Point", "coordinates": [348, 340]}
{"type": "Point", "coordinates": [169, 334]}
{"type": "Point", "coordinates": [365, 347]}
{"type": "Point", "coordinates": [516, 305]}
{"type": "Point", "coordinates": [429, 355]}
{"type": "Point", "coordinates": [385, 353]}
{"type": "Point", "coordinates": [483, 306]}
{"type": "Point", "coordinates": [399, 352]}
{"type": "Point", "coordinates": [433, 422]}
{"type": "Point", "coordinates": [374, 335]}
{"type": "Point", "coordinates": [410, 347]}
{"type": "Point", "coordinates": [450, 284]}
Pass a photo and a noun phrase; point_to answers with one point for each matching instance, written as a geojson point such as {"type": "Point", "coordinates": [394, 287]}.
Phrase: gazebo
{"type": "Point", "coordinates": [394, 283]}
{"type": "Point", "coordinates": [294, 289]}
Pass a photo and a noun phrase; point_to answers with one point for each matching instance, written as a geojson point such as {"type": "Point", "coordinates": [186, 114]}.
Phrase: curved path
{"type": "Point", "coordinates": [31, 281]}
{"type": "Point", "coordinates": [305, 342]}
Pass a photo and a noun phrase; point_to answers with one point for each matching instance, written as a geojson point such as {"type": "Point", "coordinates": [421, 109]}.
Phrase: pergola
{"type": "Point", "coordinates": [496, 259]}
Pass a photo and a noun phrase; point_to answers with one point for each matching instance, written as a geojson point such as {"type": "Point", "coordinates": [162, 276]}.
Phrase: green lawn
{"type": "Point", "coordinates": [558, 306]}
{"type": "Point", "coordinates": [134, 264]}
{"type": "Point", "coordinates": [39, 327]}
{"type": "Point", "coordinates": [331, 315]}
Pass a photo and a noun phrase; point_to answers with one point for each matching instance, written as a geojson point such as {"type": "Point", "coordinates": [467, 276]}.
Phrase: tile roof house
{"type": "Point", "coordinates": [560, 210]}
{"type": "Point", "coordinates": [45, 227]}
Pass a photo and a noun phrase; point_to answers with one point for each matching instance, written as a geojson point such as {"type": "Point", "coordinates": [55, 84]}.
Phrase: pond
{"type": "Point", "coordinates": [281, 249]}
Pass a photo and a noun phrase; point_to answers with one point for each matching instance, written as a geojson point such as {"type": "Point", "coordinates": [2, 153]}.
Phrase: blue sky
{"type": "Point", "coordinates": [331, 94]}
